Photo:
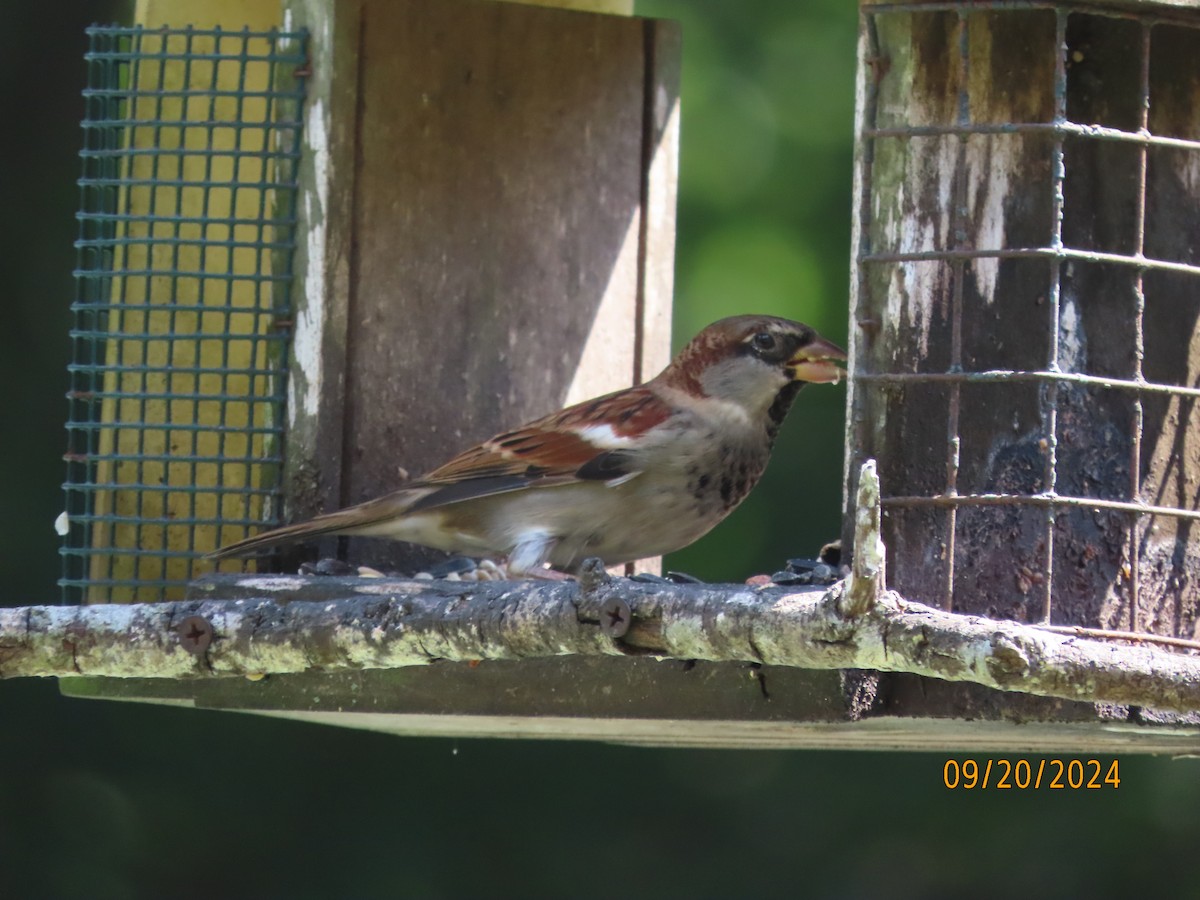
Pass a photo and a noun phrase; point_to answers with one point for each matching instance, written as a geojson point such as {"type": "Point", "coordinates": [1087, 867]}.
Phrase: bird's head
{"type": "Point", "coordinates": [758, 362]}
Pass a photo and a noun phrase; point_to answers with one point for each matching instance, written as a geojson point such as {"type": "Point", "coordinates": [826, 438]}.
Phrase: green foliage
{"type": "Point", "coordinates": [764, 226]}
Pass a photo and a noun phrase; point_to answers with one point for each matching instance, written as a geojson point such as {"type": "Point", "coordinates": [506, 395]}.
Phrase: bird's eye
{"type": "Point", "coordinates": [764, 341]}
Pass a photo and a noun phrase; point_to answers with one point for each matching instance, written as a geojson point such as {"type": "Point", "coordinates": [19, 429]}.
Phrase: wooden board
{"type": "Point", "coordinates": [671, 703]}
{"type": "Point", "coordinates": [648, 700]}
{"type": "Point", "coordinates": [487, 256]}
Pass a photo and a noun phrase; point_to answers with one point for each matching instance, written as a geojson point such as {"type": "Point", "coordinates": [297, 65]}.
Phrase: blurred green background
{"type": "Point", "coordinates": [101, 800]}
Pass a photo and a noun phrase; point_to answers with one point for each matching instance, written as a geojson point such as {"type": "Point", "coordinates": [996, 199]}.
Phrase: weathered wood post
{"type": "Point", "coordinates": [487, 232]}
{"type": "Point", "coordinates": [1025, 307]}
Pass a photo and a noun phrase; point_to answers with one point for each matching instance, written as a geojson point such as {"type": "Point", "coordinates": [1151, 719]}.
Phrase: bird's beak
{"type": "Point", "coordinates": [815, 362]}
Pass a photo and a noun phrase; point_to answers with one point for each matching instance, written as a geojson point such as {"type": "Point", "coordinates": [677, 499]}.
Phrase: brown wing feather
{"type": "Point", "coordinates": [628, 412]}
{"type": "Point", "coordinates": [549, 451]}
{"type": "Point", "coordinates": [552, 446]}
{"type": "Point", "coordinates": [529, 452]}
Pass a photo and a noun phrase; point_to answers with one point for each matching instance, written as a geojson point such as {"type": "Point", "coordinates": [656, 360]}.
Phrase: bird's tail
{"type": "Point", "coordinates": [285, 535]}
{"type": "Point", "coordinates": [344, 521]}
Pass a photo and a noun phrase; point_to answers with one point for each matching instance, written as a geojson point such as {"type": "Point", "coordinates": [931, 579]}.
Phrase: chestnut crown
{"type": "Point", "coordinates": [749, 359]}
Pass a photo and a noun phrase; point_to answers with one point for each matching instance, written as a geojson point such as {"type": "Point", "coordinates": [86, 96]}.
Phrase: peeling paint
{"type": "Point", "coordinates": [913, 223]}
{"type": "Point", "coordinates": [310, 320]}
{"type": "Point", "coordinates": [1072, 349]}
{"type": "Point", "coordinates": [988, 170]}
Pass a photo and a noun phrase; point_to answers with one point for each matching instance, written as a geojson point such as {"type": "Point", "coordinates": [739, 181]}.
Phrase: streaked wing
{"type": "Point", "coordinates": [532, 452]}
{"type": "Point", "coordinates": [587, 442]}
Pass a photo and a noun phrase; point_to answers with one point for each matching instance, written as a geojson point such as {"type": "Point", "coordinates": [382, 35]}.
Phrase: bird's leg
{"type": "Point", "coordinates": [528, 558]}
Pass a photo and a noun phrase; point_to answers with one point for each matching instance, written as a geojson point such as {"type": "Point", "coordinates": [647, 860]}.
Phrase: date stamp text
{"type": "Point", "coordinates": [1049, 773]}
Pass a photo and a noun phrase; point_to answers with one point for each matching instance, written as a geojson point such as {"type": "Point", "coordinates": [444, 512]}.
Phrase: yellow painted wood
{"type": "Point", "coordinates": [132, 420]}
{"type": "Point", "coordinates": [257, 15]}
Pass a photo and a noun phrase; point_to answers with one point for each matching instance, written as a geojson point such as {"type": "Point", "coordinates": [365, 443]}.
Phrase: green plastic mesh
{"type": "Point", "coordinates": [191, 142]}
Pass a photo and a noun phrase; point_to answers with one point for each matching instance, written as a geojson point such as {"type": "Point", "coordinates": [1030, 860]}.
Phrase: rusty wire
{"type": "Point", "coordinates": [957, 255]}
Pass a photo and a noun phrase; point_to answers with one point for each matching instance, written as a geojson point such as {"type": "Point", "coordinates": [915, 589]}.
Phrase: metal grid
{"type": "Point", "coordinates": [1054, 376]}
{"type": "Point", "coordinates": [191, 140]}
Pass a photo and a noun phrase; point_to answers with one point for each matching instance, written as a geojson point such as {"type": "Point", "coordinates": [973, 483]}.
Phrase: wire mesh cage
{"type": "Point", "coordinates": [1027, 291]}
{"type": "Point", "coordinates": [191, 140]}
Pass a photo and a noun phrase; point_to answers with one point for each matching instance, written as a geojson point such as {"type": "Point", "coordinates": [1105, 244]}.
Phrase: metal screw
{"type": "Point", "coordinates": [615, 617]}
{"type": "Point", "coordinates": [195, 634]}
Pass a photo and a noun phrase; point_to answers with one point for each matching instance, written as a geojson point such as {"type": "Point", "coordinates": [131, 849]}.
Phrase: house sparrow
{"type": "Point", "coordinates": [636, 473]}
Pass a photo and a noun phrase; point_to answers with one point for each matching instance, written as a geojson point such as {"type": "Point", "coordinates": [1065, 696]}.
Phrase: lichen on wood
{"type": "Point", "coordinates": [280, 625]}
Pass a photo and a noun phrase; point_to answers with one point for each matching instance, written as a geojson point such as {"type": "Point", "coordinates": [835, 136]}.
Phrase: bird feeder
{"type": "Point", "coordinates": [1026, 274]}
{"type": "Point", "coordinates": [380, 233]}
{"type": "Point", "coordinates": [478, 219]}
